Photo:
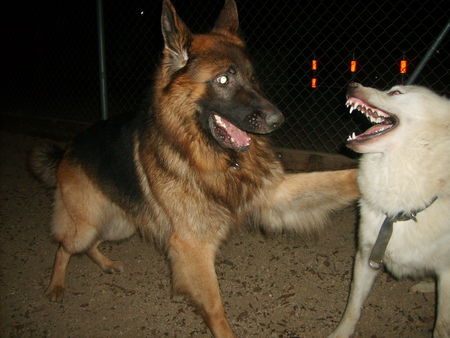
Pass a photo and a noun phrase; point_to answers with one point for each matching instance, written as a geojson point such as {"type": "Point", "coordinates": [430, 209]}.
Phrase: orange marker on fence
{"type": "Point", "coordinates": [403, 66]}
{"type": "Point", "coordinates": [314, 67]}
{"type": "Point", "coordinates": [353, 66]}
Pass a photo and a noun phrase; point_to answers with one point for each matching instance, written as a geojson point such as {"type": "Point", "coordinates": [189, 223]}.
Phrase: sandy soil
{"type": "Point", "coordinates": [278, 286]}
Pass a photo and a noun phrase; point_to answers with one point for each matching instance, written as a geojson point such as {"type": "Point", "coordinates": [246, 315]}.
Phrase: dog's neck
{"type": "Point", "coordinates": [392, 182]}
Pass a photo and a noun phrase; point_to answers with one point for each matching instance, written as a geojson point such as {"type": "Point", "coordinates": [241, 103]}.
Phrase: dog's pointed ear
{"type": "Point", "coordinates": [228, 20]}
{"type": "Point", "coordinates": [177, 37]}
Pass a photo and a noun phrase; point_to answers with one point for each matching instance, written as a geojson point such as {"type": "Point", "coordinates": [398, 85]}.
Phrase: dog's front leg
{"type": "Point", "coordinates": [363, 278]}
{"type": "Point", "coordinates": [442, 326]}
{"type": "Point", "coordinates": [193, 274]}
{"type": "Point", "coordinates": [303, 201]}
{"type": "Point", "coordinates": [332, 188]}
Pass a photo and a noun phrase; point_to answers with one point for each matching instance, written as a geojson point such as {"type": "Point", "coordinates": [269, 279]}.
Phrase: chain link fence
{"type": "Point", "coordinates": [59, 72]}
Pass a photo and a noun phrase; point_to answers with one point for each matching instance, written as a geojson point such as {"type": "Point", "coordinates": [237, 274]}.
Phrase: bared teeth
{"type": "Point", "coordinates": [373, 114]}
{"type": "Point", "coordinates": [351, 137]}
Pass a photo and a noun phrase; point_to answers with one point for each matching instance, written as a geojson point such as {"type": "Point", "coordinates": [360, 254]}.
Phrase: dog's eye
{"type": "Point", "coordinates": [394, 92]}
{"type": "Point", "coordinates": [222, 79]}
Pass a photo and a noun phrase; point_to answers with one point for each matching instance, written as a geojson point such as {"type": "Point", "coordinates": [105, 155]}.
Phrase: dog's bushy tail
{"type": "Point", "coordinates": [44, 160]}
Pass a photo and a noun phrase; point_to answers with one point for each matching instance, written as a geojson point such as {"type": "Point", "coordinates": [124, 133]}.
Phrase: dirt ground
{"type": "Point", "coordinates": [277, 286]}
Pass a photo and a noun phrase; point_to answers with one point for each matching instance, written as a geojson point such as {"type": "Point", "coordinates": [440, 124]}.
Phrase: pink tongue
{"type": "Point", "coordinates": [240, 137]}
{"type": "Point", "coordinates": [375, 129]}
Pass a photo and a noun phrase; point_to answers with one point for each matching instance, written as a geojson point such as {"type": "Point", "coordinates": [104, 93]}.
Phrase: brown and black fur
{"type": "Point", "coordinates": [166, 175]}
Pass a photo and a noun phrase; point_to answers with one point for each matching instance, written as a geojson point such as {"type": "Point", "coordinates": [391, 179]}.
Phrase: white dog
{"type": "Point", "coordinates": [404, 180]}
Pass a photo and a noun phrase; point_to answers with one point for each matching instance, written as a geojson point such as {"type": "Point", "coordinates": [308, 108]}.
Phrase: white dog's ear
{"type": "Point", "coordinates": [228, 21]}
{"type": "Point", "coordinates": [177, 37]}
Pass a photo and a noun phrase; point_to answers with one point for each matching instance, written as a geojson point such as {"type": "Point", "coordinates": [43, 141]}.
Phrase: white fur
{"type": "Point", "coordinates": [402, 171]}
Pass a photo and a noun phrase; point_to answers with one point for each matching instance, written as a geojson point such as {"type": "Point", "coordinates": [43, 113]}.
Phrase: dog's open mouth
{"type": "Point", "coordinates": [384, 121]}
{"type": "Point", "coordinates": [227, 134]}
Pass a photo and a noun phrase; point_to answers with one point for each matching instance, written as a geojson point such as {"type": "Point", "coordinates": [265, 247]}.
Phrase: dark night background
{"type": "Point", "coordinates": [51, 50]}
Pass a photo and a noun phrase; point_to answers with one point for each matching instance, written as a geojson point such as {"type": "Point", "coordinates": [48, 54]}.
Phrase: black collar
{"type": "Point", "coordinates": [378, 250]}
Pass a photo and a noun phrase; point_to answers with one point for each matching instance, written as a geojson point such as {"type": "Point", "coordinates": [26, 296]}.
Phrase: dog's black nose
{"type": "Point", "coordinates": [274, 119]}
{"type": "Point", "coordinates": [353, 84]}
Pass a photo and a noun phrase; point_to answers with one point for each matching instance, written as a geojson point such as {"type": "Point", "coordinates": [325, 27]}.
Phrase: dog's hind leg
{"type": "Point", "coordinates": [193, 274]}
{"type": "Point", "coordinates": [73, 238]}
{"type": "Point", "coordinates": [363, 278]}
{"type": "Point", "coordinates": [106, 264]}
{"type": "Point", "coordinates": [442, 327]}
{"type": "Point", "coordinates": [77, 223]}
{"type": "Point", "coordinates": [55, 290]}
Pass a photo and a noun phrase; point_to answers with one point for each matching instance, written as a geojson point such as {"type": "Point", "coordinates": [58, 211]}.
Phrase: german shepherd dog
{"type": "Point", "coordinates": [186, 172]}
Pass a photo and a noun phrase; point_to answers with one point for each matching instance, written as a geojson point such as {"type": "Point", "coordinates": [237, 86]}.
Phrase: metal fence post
{"type": "Point", "coordinates": [102, 64]}
{"type": "Point", "coordinates": [428, 55]}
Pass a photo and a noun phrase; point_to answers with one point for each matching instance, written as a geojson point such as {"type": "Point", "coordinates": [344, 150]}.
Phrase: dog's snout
{"type": "Point", "coordinates": [352, 88]}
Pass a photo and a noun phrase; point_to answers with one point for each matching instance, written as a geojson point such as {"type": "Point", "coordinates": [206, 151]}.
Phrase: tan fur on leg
{"type": "Point", "coordinates": [194, 275]}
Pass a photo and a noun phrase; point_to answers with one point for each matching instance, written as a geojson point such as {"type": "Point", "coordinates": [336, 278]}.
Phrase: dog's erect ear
{"type": "Point", "coordinates": [177, 37]}
{"type": "Point", "coordinates": [228, 20]}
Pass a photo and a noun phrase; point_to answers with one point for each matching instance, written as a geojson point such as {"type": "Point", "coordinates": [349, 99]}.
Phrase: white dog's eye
{"type": "Point", "coordinates": [222, 79]}
{"type": "Point", "coordinates": [394, 92]}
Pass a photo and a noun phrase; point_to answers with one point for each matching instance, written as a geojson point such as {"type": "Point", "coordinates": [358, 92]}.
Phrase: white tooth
{"type": "Point", "coordinates": [351, 109]}
{"type": "Point", "coordinates": [353, 135]}
{"type": "Point", "coordinates": [219, 121]}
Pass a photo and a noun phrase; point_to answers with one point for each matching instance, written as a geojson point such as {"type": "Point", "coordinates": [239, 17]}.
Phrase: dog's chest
{"type": "Point", "coordinates": [411, 252]}
{"type": "Point", "coordinates": [388, 187]}
{"type": "Point", "coordinates": [415, 248]}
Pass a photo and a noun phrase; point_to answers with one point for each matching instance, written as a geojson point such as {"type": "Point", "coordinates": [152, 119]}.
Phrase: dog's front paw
{"type": "Point", "coordinates": [337, 335]}
{"type": "Point", "coordinates": [341, 332]}
{"type": "Point", "coordinates": [55, 293]}
{"type": "Point", "coordinates": [442, 329]}
{"type": "Point", "coordinates": [423, 287]}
